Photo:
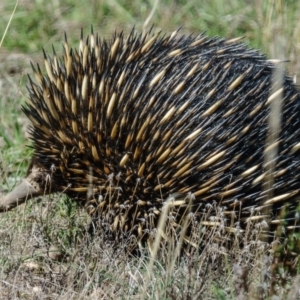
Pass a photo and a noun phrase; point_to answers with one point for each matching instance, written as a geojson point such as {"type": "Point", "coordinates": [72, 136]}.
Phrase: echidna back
{"type": "Point", "coordinates": [123, 125]}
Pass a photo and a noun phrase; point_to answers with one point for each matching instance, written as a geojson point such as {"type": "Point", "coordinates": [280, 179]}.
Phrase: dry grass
{"type": "Point", "coordinates": [46, 253]}
{"type": "Point", "coordinates": [45, 250]}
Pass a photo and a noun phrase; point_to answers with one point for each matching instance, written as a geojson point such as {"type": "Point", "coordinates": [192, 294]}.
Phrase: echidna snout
{"type": "Point", "coordinates": [121, 125]}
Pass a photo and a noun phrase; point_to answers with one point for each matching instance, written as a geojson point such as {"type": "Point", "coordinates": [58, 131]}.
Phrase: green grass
{"type": "Point", "coordinates": [92, 268]}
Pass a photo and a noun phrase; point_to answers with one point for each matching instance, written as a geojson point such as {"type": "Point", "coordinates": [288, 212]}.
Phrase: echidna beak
{"type": "Point", "coordinates": [24, 191]}
{"type": "Point", "coordinates": [29, 187]}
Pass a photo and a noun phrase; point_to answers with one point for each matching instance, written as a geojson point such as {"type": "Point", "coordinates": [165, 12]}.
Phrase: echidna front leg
{"type": "Point", "coordinates": [32, 186]}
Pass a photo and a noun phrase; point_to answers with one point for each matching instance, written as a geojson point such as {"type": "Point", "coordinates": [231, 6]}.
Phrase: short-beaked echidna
{"type": "Point", "coordinates": [125, 124]}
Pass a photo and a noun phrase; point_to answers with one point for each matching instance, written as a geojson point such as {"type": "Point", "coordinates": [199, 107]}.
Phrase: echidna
{"type": "Point", "coordinates": [123, 125]}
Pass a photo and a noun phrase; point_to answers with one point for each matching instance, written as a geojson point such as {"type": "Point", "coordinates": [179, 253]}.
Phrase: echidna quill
{"type": "Point", "coordinates": [122, 125]}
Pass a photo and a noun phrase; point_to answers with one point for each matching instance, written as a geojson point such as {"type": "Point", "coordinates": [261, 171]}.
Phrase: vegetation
{"type": "Point", "coordinates": [45, 250]}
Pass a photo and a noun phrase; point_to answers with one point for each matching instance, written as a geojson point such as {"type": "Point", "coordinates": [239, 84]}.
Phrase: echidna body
{"type": "Point", "coordinates": [123, 125]}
